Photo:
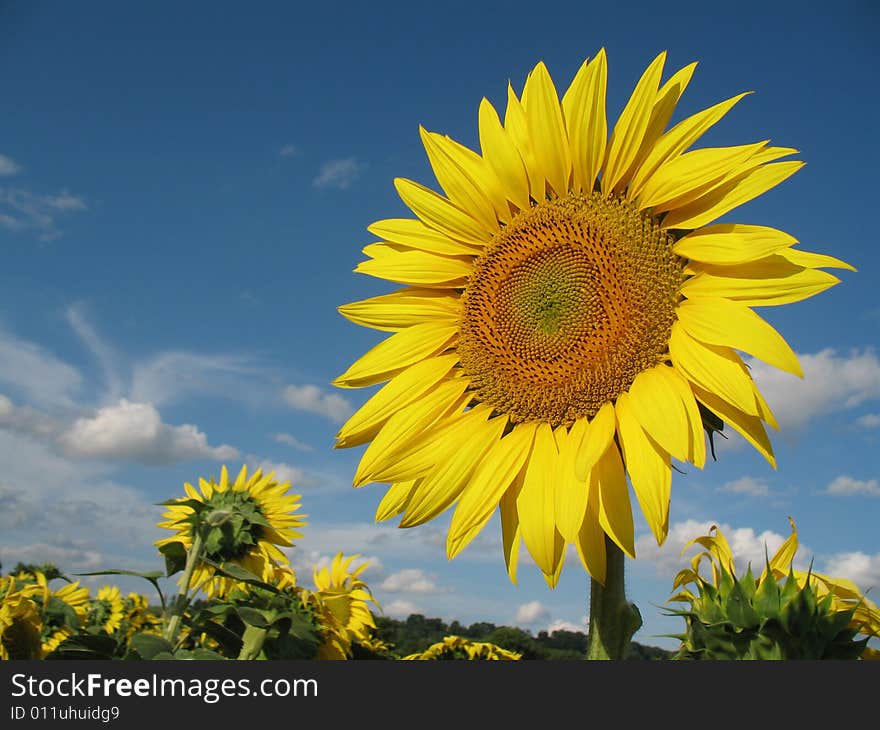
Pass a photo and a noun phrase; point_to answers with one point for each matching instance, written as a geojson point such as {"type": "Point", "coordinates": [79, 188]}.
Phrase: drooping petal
{"type": "Point", "coordinates": [697, 438]}
{"type": "Point", "coordinates": [596, 439]}
{"type": "Point", "coordinates": [659, 410]}
{"type": "Point", "coordinates": [608, 479]}
{"type": "Point", "coordinates": [583, 106]}
{"type": "Point", "coordinates": [510, 533]}
{"type": "Point", "coordinates": [591, 541]}
{"type": "Point", "coordinates": [571, 492]}
{"type": "Point", "coordinates": [719, 321]}
{"type": "Point", "coordinates": [648, 466]}
{"type": "Point", "coordinates": [398, 352]}
{"type": "Point", "coordinates": [395, 500]}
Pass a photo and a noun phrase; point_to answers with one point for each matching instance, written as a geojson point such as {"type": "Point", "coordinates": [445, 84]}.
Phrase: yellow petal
{"type": "Point", "coordinates": [502, 156]}
{"type": "Point", "coordinates": [730, 195]}
{"type": "Point", "coordinates": [596, 439]}
{"type": "Point", "coordinates": [716, 369]}
{"type": "Point", "coordinates": [547, 129]}
{"type": "Point", "coordinates": [626, 139]}
{"type": "Point", "coordinates": [749, 427]}
{"type": "Point", "coordinates": [401, 391]}
{"type": "Point", "coordinates": [697, 438]}
{"type": "Point", "coordinates": [403, 308]}
{"type": "Point", "coordinates": [396, 353]}
{"type": "Point", "coordinates": [685, 178]}
{"type": "Point", "coordinates": [648, 466]}
{"type": "Point", "coordinates": [536, 501]}
{"type": "Point", "coordinates": [659, 410]}
{"type": "Point", "coordinates": [419, 268]}
{"type": "Point", "coordinates": [517, 127]}
{"type": "Point", "coordinates": [408, 423]}
{"type": "Point", "coordinates": [415, 234]}
{"type": "Point", "coordinates": [459, 188]}
{"type": "Point", "coordinates": [591, 541]}
{"type": "Point", "coordinates": [510, 534]}
{"type": "Point", "coordinates": [767, 282]}
{"type": "Point", "coordinates": [584, 109]}
{"type": "Point", "coordinates": [718, 321]}
{"type": "Point", "coordinates": [571, 492]}
{"type": "Point", "coordinates": [481, 172]}
{"type": "Point", "coordinates": [732, 243]}
{"type": "Point", "coordinates": [439, 489]}
{"type": "Point", "coordinates": [780, 563]}
{"type": "Point", "coordinates": [677, 140]}
{"type": "Point", "coordinates": [395, 500]}
{"type": "Point", "coordinates": [608, 480]}
{"type": "Point", "coordinates": [441, 214]}
{"type": "Point", "coordinates": [812, 260]}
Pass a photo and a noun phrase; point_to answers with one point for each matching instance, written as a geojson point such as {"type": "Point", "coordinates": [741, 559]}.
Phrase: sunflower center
{"type": "Point", "coordinates": [572, 300]}
{"type": "Point", "coordinates": [235, 524]}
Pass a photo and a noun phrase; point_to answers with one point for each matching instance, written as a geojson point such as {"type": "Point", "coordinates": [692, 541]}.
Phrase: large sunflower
{"type": "Point", "coordinates": [570, 316]}
{"type": "Point", "coordinates": [244, 522]}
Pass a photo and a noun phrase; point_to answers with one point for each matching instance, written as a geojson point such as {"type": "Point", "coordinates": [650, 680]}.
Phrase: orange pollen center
{"type": "Point", "coordinates": [570, 301]}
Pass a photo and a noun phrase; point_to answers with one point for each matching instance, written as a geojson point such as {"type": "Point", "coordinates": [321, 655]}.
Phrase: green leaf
{"type": "Point", "coordinates": [147, 646]}
{"type": "Point", "coordinates": [175, 557]}
{"type": "Point", "coordinates": [85, 646]}
{"type": "Point", "coordinates": [151, 575]}
{"type": "Point", "coordinates": [252, 617]}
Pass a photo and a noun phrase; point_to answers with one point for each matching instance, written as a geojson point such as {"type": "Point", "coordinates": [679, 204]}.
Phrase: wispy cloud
{"type": "Point", "coordinates": [286, 438]}
{"type": "Point", "coordinates": [26, 210]}
{"type": "Point", "coordinates": [746, 485]}
{"type": "Point", "coordinates": [313, 399]}
{"type": "Point", "coordinates": [298, 478]}
{"type": "Point", "coordinates": [102, 352]}
{"type": "Point", "coordinates": [845, 486]}
{"type": "Point", "coordinates": [289, 150]}
{"type": "Point", "coordinates": [8, 167]}
{"type": "Point", "coordinates": [37, 373]}
{"type": "Point", "coordinates": [338, 174]}
{"type": "Point", "coordinates": [411, 580]}
{"type": "Point", "coordinates": [869, 420]}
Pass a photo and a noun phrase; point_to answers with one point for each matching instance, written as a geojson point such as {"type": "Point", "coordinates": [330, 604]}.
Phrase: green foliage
{"type": "Point", "coordinates": [747, 619]}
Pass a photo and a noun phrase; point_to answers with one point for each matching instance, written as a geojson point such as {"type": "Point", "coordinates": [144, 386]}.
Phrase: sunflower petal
{"type": "Point", "coordinates": [595, 441]}
{"type": "Point", "coordinates": [697, 438]}
{"type": "Point", "coordinates": [648, 466]}
{"type": "Point", "coordinates": [719, 321]}
{"type": "Point", "coordinates": [547, 129]}
{"type": "Point", "coordinates": [502, 156]}
{"type": "Point", "coordinates": [767, 282]}
{"type": "Point", "coordinates": [780, 563]}
{"type": "Point", "coordinates": [419, 268]}
{"type": "Point", "coordinates": [659, 410]}
{"type": "Point", "coordinates": [440, 213]}
{"type": "Point", "coordinates": [517, 127]}
{"type": "Point", "coordinates": [510, 533]}
{"type": "Point", "coordinates": [536, 501]}
{"type": "Point", "coordinates": [608, 478]}
{"type": "Point", "coordinates": [412, 233]}
{"type": "Point", "coordinates": [583, 106]}
{"type": "Point", "coordinates": [626, 139]}
{"type": "Point", "coordinates": [395, 500]}
{"type": "Point", "coordinates": [571, 492]}
{"type": "Point", "coordinates": [403, 308]}
{"type": "Point", "coordinates": [732, 243]}
{"type": "Point", "coordinates": [396, 353]}
{"type": "Point", "coordinates": [591, 541]}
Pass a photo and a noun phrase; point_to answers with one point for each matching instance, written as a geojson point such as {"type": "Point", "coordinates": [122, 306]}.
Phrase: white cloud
{"type": "Point", "coordinates": [33, 211]}
{"type": "Point", "coordinates": [286, 438]}
{"type": "Point", "coordinates": [289, 150]}
{"type": "Point", "coordinates": [67, 556]}
{"type": "Point", "coordinates": [24, 419]}
{"type": "Point", "coordinates": [8, 167]}
{"type": "Point", "coordinates": [845, 485]}
{"type": "Point", "coordinates": [831, 383]}
{"type": "Point", "coordinates": [563, 625]}
{"type": "Point", "coordinates": [284, 472]}
{"type": "Point", "coordinates": [401, 609]}
{"type": "Point", "coordinates": [314, 400]}
{"type": "Point", "coordinates": [45, 379]}
{"type": "Point", "coordinates": [861, 568]}
{"type": "Point", "coordinates": [410, 580]}
{"type": "Point", "coordinates": [869, 420]}
{"type": "Point", "coordinates": [531, 613]}
{"type": "Point", "coordinates": [746, 485]}
{"type": "Point", "coordinates": [748, 547]}
{"type": "Point", "coordinates": [102, 352]}
{"type": "Point", "coordinates": [338, 173]}
{"type": "Point", "coordinates": [135, 432]}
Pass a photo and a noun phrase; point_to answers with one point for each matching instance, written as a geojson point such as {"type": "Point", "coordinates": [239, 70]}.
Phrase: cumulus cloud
{"type": "Point", "coordinates": [338, 174]}
{"type": "Point", "coordinates": [746, 485]}
{"type": "Point", "coordinates": [831, 382]}
{"type": "Point", "coordinates": [563, 625]}
{"type": "Point", "coordinates": [313, 399]}
{"type": "Point", "coordinates": [861, 568]}
{"type": "Point", "coordinates": [845, 485]}
{"type": "Point", "coordinates": [8, 167]}
{"type": "Point", "coordinates": [286, 438]}
{"type": "Point", "coordinates": [69, 556]}
{"type": "Point", "coordinates": [869, 420]}
{"type": "Point", "coordinates": [747, 545]}
{"type": "Point", "coordinates": [24, 419]}
{"type": "Point", "coordinates": [531, 613]}
{"type": "Point", "coordinates": [401, 609]}
{"type": "Point", "coordinates": [410, 580]}
{"type": "Point", "coordinates": [131, 431]}
{"type": "Point", "coordinates": [26, 210]}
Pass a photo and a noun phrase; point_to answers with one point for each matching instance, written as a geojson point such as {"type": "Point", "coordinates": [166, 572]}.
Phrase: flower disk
{"type": "Point", "coordinates": [571, 319]}
{"type": "Point", "coordinates": [566, 307]}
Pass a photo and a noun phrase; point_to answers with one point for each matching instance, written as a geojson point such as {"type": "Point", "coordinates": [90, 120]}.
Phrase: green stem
{"type": "Point", "coordinates": [182, 601]}
{"type": "Point", "coordinates": [613, 620]}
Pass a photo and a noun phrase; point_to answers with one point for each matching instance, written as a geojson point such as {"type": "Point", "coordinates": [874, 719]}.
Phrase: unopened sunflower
{"type": "Point", "coordinates": [570, 315]}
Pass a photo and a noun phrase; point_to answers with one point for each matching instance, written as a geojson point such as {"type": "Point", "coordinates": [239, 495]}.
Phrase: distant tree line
{"type": "Point", "coordinates": [416, 633]}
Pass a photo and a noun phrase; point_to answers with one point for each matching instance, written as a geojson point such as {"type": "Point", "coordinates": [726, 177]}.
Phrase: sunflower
{"type": "Point", "coordinates": [341, 603]}
{"type": "Point", "coordinates": [458, 647]}
{"type": "Point", "coordinates": [63, 611]}
{"type": "Point", "coordinates": [243, 522]}
{"type": "Point", "coordinates": [570, 315]}
{"type": "Point", "coordinates": [107, 610]}
{"type": "Point", "coordinates": [20, 620]}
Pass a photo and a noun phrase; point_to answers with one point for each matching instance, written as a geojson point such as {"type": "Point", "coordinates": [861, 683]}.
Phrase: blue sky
{"type": "Point", "coordinates": [185, 190]}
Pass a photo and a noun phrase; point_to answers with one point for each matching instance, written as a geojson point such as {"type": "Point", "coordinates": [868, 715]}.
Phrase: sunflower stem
{"type": "Point", "coordinates": [182, 600]}
{"type": "Point", "coordinates": [613, 620]}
